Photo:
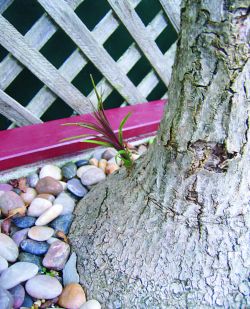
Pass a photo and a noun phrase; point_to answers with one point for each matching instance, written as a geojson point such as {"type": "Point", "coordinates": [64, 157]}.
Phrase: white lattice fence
{"type": "Point", "coordinates": [24, 52]}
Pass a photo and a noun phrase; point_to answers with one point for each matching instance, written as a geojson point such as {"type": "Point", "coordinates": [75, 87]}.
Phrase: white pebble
{"type": "Point", "coordinates": [49, 215]}
{"type": "Point", "coordinates": [52, 171]}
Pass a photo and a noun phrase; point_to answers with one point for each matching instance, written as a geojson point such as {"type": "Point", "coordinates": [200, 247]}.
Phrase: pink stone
{"type": "Point", "coordinates": [57, 255]}
{"type": "Point", "coordinates": [5, 187]}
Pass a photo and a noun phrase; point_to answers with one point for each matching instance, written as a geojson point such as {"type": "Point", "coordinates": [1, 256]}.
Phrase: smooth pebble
{"type": "Point", "coordinates": [43, 287]}
{"type": "Point", "coordinates": [72, 296]}
{"type": "Point", "coordinates": [91, 304]}
{"type": "Point", "coordinates": [3, 264]}
{"type": "Point", "coordinates": [20, 235]}
{"type": "Point", "coordinates": [34, 247]}
{"type": "Point", "coordinates": [10, 200]}
{"type": "Point", "coordinates": [52, 171]}
{"type": "Point", "coordinates": [49, 215]}
{"type": "Point", "coordinates": [31, 258]}
{"type": "Point", "coordinates": [17, 273]}
{"type": "Point", "coordinates": [67, 202]}
{"type": "Point", "coordinates": [74, 186]}
{"type": "Point", "coordinates": [69, 170]}
{"type": "Point", "coordinates": [62, 223]}
{"type": "Point", "coordinates": [6, 299]}
{"type": "Point", "coordinates": [28, 196]}
{"type": "Point", "coordinates": [24, 222]}
{"type": "Point", "coordinates": [109, 153]}
{"type": "Point", "coordinates": [40, 233]}
{"type": "Point", "coordinates": [8, 248]}
{"type": "Point", "coordinates": [83, 169]}
{"type": "Point", "coordinates": [70, 274]}
{"type": "Point", "coordinates": [18, 294]}
{"type": "Point", "coordinates": [92, 176]}
{"type": "Point", "coordinates": [38, 206]}
{"type": "Point", "coordinates": [32, 180]}
{"type": "Point", "coordinates": [49, 185]}
{"type": "Point", "coordinates": [57, 255]}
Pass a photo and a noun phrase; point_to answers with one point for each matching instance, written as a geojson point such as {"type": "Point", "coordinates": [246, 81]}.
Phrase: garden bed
{"type": "Point", "coordinates": [37, 203]}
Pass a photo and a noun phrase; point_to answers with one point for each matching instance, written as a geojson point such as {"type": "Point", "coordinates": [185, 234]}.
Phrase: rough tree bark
{"type": "Point", "coordinates": [174, 233]}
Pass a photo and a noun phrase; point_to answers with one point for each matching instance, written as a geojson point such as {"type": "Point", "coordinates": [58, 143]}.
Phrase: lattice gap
{"type": "Point", "coordinates": [72, 66]}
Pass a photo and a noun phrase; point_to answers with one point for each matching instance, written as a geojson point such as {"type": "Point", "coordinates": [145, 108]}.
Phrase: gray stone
{"type": "Point", "coordinates": [69, 170]}
{"type": "Point", "coordinates": [109, 153]}
{"type": "Point", "coordinates": [8, 248]}
{"type": "Point", "coordinates": [43, 287]}
{"type": "Point", "coordinates": [67, 201]}
{"type": "Point", "coordinates": [31, 258]}
{"type": "Point", "coordinates": [92, 176]}
{"type": "Point", "coordinates": [6, 299]}
{"type": "Point", "coordinates": [70, 274]}
{"type": "Point", "coordinates": [74, 186]}
{"type": "Point", "coordinates": [3, 264]}
{"type": "Point", "coordinates": [57, 255]}
{"type": "Point", "coordinates": [32, 180]}
{"type": "Point", "coordinates": [62, 223]}
{"type": "Point", "coordinates": [17, 273]}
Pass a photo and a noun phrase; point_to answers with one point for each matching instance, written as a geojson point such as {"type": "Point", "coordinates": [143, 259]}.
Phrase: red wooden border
{"type": "Point", "coordinates": [42, 141]}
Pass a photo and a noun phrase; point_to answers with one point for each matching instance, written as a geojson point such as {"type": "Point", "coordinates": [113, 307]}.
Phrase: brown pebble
{"type": "Point", "coordinates": [102, 164]}
{"type": "Point", "coordinates": [72, 296]}
{"type": "Point", "coordinates": [111, 168]}
{"type": "Point", "coordinates": [94, 162]}
{"type": "Point", "coordinates": [49, 185]}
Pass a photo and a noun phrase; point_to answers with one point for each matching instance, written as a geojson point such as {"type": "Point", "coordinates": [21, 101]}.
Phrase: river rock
{"type": "Point", "coordinates": [49, 185]}
{"type": "Point", "coordinates": [46, 196]}
{"type": "Point", "coordinates": [32, 180]}
{"type": "Point", "coordinates": [72, 296]}
{"type": "Point", "coordinates": [40, 233]}
{"type": "Point", "coordinates": [34, 247]}
{"type": "Point", "coordinates": [43, 287]}
{"type": "Point", "coordinates": [18, 294]}
{"type": "Point", "coordinates": [6, 299]}
{"type": "Point", "coordinates": [49, 215]}
{"type": "Point", "coordinates": [93, 161]}
{"type": "Point", "coordinates": [102, 164]}
{"type": "Point", "coordinates": [62, 223]}
{"type": "Point", "coordinates": [69, 170]}
{"type": "Point", "coordinates": [17, 273]}
{"type": "Point", "coordinates": [51, 171]}
{"type": "Point", "coordinates": [80, 163]}
{"type": "Point", "coordinates": [92, 176]}
{"type": "Point", "coordinates": [83, 169]}
{"type": "Point", "coordinates": [70, 274]}
{"type": "Point", "coordinates": [111, 168]}
{"type": "Point", "coordinates": [5, 187]}
{"type": "Point", "coordinates": [74, 186]}
{"type": "Point", "coordinates": [98, 153]}
{"type": "Point", "coordinates": [67, 201]}
{"type": "Point", "coordinates": [51, 240]}
{"type": "Point", "coordinates": [28, 196]}
{"type": "Point", "coordinates": [24, 222]}
{"type": "Point", "coordinates": [1, 193]}
{"type": "Point", "coordinates": [8, 248]}
{"type": "Point", "coordinates": [57, 255]}
{"type": "Point", "coordinates": [10, 200]}
{"type": "Point", "coordinates": [19, 236]}
{"type": "Point", "coordinates": [91, 304]}
{"type": "Point", "coordinates": [3, 264]}
{"type": "Point", "coordinates": [109, 153]}
{"type": "Point", "coordinates": [38, 206]}
{"type": "Point", "coordinates": [64, 185]}
{"type": "Point", "coordinates": [31, 258]}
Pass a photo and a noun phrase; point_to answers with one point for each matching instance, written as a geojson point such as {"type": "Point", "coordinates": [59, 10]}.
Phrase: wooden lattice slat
{"type": "Point", "coordinates": [172, 9]}
{"type": "Point", "coordinates": [15, 111]}
{"type": "Point", "coordinates": [142, 37]}
{"type": "Point", "coordinates": [15, 43]}
{"type": "Point", "coordinates": [4, 4]}
{"type": "Point", "coordinates": [79, 33]}
{"type": "Point", "coordinates": [37, 36]}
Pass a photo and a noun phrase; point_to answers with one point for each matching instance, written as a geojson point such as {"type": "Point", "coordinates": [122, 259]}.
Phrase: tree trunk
{"type": "Point", "coordinates": [174, 232]}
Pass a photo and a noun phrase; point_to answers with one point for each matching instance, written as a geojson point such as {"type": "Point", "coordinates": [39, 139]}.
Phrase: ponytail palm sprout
{"type": "Point", "coordinates": [105, 135]}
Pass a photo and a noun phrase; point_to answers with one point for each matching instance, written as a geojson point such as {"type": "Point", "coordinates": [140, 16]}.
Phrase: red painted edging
{"type": "Point", "coordinates": [42, 141]}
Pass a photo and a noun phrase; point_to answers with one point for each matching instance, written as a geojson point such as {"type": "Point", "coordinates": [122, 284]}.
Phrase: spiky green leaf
{"type": "Point", "coordinates": [124, 120]}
